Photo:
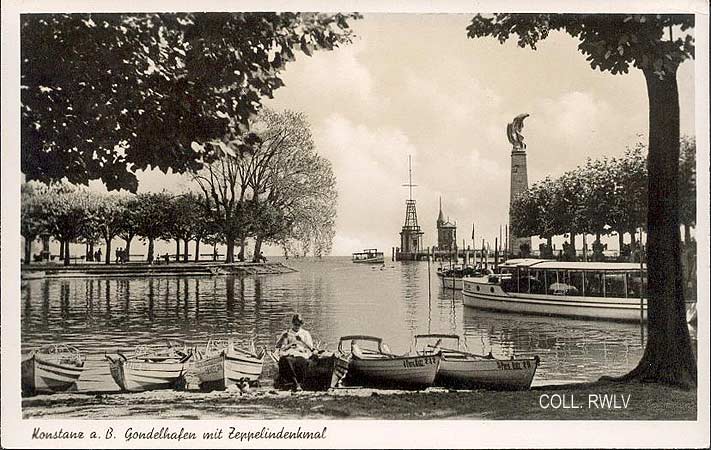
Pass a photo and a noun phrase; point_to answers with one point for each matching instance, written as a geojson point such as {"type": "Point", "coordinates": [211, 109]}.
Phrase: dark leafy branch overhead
{"type": "Point", "coordinates": [610, 42]}
{"type": "Point", "coordinates": [104, 95]}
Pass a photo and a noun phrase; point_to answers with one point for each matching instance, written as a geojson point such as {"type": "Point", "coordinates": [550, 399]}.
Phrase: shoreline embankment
{"type": "Point", "coordinates": [143, 269]}
{"type": "Point", "coordinates": [590, 401]}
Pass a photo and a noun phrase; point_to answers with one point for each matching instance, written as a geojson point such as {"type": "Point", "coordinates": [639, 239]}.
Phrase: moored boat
{"type": "Point", "coordinates": [222, 364]}
{"type": "Point", "coordinates": [462, 369]}
{"type": "Point", "coordinates": [591, 290]}
{"type": "Point", "coordinates": [369, 256]}
{"type": "Point", "coordinates": [453, 278]}
{"type": "Point", "coordinates": [149, 369]}
{"type": "Point", "coordinates": [378, 367]}
{"type": "Point", "coordinates": [325, 370]}
{"type": "Point", "coordinates": [51, 368]}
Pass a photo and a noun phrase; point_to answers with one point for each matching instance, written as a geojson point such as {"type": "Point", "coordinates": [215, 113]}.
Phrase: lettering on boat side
{"type": "Point", "coordinates": [419, 362]}
{"type": "Point", "coordinates": [513, 365]}
{"type": "Point", "coordinates": [591, 401]}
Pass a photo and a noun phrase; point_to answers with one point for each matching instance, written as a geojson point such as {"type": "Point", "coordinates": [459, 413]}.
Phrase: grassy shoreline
{"type": "Point", "coordinates": [644, 402]}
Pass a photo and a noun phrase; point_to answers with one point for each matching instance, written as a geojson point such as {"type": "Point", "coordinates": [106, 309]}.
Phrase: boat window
{"type": "Point", "coordinates": [538, 283]}
{"type": "Point", "coordinates": [559, 283]}
{"type": "Point", "coordinates": [593, 284]}
{"type": "Point", "coordinates": [509, 283]}
{"type": "Point", "coordinates": [634, 285]}
{"type": "Point", "coordinates": [574, 280]}
{"type": "Point", "coordinates": [614, 285]}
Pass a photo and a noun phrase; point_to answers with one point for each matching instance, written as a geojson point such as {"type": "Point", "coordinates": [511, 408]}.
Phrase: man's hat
{"type": "Point", "coordinates": [297, 319]}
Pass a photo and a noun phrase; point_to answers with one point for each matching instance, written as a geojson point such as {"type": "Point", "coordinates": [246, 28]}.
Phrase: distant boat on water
{"type": "Point", "coordinates": [369, 256]}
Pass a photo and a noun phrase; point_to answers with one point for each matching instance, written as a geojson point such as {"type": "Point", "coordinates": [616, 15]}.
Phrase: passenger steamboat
{"type": "Point", "coordinates": [591, 290]}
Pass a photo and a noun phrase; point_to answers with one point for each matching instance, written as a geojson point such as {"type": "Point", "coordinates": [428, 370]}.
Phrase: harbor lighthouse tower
{"type": "Point", "coordinates": [519, 179]}
{"type": "Point", "coordinates": [411, 233]}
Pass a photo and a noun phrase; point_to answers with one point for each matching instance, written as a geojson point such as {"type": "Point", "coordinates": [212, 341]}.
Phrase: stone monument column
{"type": "Point", "coordinates": [519, 177]}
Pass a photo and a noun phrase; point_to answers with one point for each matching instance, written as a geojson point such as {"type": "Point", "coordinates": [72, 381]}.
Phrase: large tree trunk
{"type": "Point", "coordinates": [687, 234]}
{"type": "Point", "coordinates": [257, 249]}
{"type": "Point", "coordinates": [177, 250]}
{"type": "Point", "coordinates": [150, 250]}
{"type": "Point", "coordinates": [197, 249]}
{"type": "Point", "coordinates": [61, 249]}
{"type": "Point", "coordinates": [91, 251]}
{"type": "Point", "coordinates": [127, 255]}
{"type": "Point", "coordinates": [185, 250]}
{"type": "Point", "coordinates": [108, 251]}
{"type": "Point", "coordinates": [28, 250]}
{"type": "Point", "coordinates": [66, 252]}
{"type": "Point", "coordinates": [668, 356]}
{"type": "Point", "coordinates": [230, 255]}
{"type": "Point", "coordinates": [620, 241]}
{"type": "Point", "coordinates": [242, 245]}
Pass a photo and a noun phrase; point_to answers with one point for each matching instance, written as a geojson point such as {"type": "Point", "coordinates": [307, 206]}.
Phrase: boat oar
{"type": "Point", "coordinates": [272, 356]}
{"type": "Point", "coordinates": [489, 356]}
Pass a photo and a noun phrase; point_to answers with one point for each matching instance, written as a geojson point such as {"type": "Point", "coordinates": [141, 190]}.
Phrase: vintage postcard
{"type": "Point", "coordinates": [355, 224]}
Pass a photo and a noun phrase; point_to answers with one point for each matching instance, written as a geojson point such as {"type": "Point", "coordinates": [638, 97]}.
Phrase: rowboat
{"type": "Point", "coordinates": [222, 364]}
{"type": "Point", "coordinates": [461, 369]}
{"type": "Point", "coordinates": [369, 256]}
{"type": "Point", "coordinates": [325, 370]}
{"type": "Point", "coordinates": [378, 367]}
{"type": "Point", "coordinates": [149, 369]}
{"type": "Point", "coordinates": [51, 368]}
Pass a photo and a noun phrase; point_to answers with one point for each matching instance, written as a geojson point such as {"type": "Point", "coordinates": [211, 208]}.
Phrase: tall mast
{"type": "Point", "coordinates": [409, 169]}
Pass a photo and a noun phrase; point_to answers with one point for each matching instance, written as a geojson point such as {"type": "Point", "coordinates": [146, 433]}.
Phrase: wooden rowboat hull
{"type": "Point", "coordinates": [139, 376]}
{"type": "Point", "coordinates": [219, 371]}
{"type": "Point", "coordinates": [326, 372]}
{"type": "Point", "coordinates": [481, 373]}
{"type": "Point", "coordinates": [400, 372]}
{"type": "Point", "coordinates": [40, 375]}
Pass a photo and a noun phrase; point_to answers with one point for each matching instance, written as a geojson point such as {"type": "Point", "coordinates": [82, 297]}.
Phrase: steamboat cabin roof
{"type": "Point", "coordinates": [571, 265]}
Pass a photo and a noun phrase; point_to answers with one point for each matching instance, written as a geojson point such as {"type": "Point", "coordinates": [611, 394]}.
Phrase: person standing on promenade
{"type": "Point", "coordinates": [296, 347]}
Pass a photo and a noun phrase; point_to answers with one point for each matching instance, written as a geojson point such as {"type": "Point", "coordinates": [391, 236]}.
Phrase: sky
{"type": "Point", "coordinates": [414, 84]}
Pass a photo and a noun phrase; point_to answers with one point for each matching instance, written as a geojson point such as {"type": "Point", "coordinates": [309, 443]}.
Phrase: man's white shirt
{"type": "Point", "coordinates": [293, 347]}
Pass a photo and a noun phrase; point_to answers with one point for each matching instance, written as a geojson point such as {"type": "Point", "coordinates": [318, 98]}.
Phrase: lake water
{"type": "Point", "coordinates": [333, 295]}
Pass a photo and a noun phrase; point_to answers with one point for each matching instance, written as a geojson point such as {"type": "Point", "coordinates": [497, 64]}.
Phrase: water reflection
{"type": "Point", "coordinates": [335, 296]}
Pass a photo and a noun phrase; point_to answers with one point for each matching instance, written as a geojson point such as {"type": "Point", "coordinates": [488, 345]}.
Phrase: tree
{"type": "Point", "coordinates": [225, 185]}
{"type": "Point", "coordinates": [123, 92]}
{"type": "Point", "coordinates": [130, 222]}
{"type": "Point", "coordinates": [687, 186]}
{"type": "Point", "coordinates": [153, 211]}
{"type": "Point", "coordinates": [32, 218]}
{"type": "Point", "coordinates": [66, 214]}
{"type": "Point", "coordinates": [108, 216]}
{"type": "Point", "coordinates": [614, 43]}
{"type": "Point", "coordinates": [293, 188]}
{"type": "Point", "coordinates": [188, 212]}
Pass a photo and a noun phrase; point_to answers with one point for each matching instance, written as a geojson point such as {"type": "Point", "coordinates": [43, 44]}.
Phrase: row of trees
{"type": "Point", "coordinates": [270, 185]}
{"type": "Point", "coordinates": [607, 195]}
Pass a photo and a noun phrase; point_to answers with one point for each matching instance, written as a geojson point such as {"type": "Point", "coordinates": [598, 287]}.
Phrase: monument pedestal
{"type": "Point", "coordinates": [519, 184]}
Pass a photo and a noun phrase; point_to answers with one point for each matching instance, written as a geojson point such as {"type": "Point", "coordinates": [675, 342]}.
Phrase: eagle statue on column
{"type": "Point", "coordinates": [513, 131]}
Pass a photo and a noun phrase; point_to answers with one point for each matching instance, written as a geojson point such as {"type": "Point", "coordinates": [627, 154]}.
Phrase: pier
{"type": "Point", "coordinates": [142, 269]}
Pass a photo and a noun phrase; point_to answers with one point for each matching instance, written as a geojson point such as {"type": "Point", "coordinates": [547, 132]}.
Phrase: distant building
{"type": "Point", "coordinates": [446, 232]}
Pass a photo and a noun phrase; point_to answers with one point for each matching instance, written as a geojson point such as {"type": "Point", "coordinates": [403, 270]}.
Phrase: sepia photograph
{"type": "Point", "coordinates": [248, 226]}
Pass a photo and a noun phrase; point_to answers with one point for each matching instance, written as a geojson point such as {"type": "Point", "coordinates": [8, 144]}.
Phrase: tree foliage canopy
{"type": "Point", "coordinates": [104, 95]}
{"type": "Point", "coordinates": [610, 42]}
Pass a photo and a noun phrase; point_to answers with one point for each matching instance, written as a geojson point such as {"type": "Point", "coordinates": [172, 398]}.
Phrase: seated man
{"type": "Point", "coordinates": [296, 347]}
